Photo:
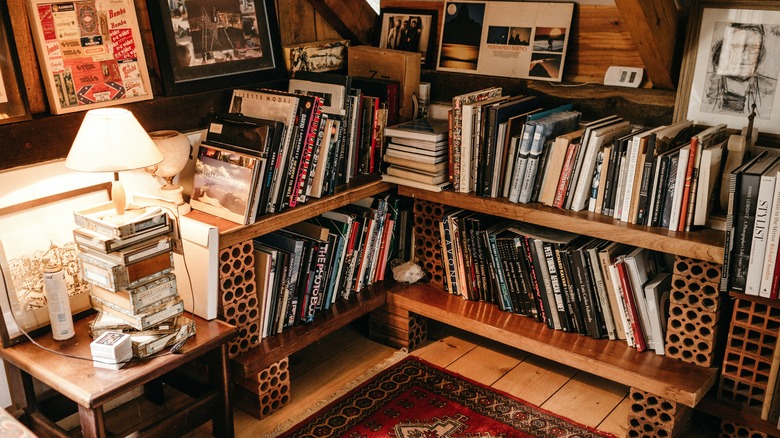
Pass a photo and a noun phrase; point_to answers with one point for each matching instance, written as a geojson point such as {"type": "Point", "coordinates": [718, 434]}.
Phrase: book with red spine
{"type": "Point", "coordinates": [564, 180]}
{"type": "Point", "coordinates": [628, 300]}
{"type": "Point", "coordinates": [310, 139]}
{"type": "Point", "coordinates": [690, 174]}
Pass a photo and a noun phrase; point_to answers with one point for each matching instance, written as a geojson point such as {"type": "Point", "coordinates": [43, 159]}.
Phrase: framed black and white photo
{"type": "Point", "coordinates": [32, 233]}
{"type": "Point", "coordinates": [13, 98]}
{"type": "Point", "coordinates": [731, 63]}
{"type": "Point", "coordinates": [499, 38]}
{"type": "Point", "coordinates": [209, 44]}
{"type": "Point", "coordinates": [410, 30]}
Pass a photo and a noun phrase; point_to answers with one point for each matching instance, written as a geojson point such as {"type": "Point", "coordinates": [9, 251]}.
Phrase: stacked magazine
{"type": "Point", "coordinates": [417, 154]}
{"type": "Point", "coordinates": [129, 265]}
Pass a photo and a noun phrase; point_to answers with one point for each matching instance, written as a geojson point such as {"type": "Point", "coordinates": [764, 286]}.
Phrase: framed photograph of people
{"type": "Point", "coordinates": [33, 234]}
{"type": "Point", "coordinates": [208, 44]}
{"type": "Point", "coordinates": [499, 38]}
{"type": "Point", "coordinates": [13, 98]}
{"type": "Point", "coordinates": [90, 53]}
{"type": "Point", "coordinates": [410, 30]}
{"type": "Point", "coordinates": [731, 65]}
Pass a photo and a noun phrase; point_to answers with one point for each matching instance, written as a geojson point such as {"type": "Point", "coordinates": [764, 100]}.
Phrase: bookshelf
{"type": "Point", "coordinates": [249, 355]}
{"type": "Point", "coordinates": [613, 360]}
{"type": "Point", "coordinates": [231, 233]}
{"type": "Point", "coordinates": [675, 380]}
{"type": "Point", "coordinates": [704, 245]}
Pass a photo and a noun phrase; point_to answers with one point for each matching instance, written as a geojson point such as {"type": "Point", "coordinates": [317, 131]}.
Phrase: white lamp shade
{"type": "Point", "coordinates": [111, 140]}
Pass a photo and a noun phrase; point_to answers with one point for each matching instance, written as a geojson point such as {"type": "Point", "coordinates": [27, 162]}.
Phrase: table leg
{"type": "Point", "coordinates": [222, 422]}
{"type": "Point", "coordinates": [92, 423]}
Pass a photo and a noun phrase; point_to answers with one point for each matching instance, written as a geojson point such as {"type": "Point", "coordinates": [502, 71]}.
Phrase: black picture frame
{"type": "Point", "coordinates": [14, 106]}
{"type": "Point", "coordinates": [425, 43]}
{"type": "Point", "coordinates": [210, 44]}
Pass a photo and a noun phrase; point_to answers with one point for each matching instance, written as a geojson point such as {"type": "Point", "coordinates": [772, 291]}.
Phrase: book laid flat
{"type": "Point", "coordinates": [429, 130]}
{"type": "Point", "coordinates": [413, 175]}
{"type": "Point", "coordinates": [416, 184]}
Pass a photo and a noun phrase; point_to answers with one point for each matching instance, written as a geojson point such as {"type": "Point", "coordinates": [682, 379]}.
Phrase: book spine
{"type": "Point", "coordinates": [625, 317]}
{"type": "Point", "coordinates": [630, 305]}
{"type": "Point", "coordinates": [563, 182]}
{"type": "Point", "coordinates": [540, 265]}
{"type": "Point", "coordinates": [770, 258]}
{"type": "Point", "coordinates": [760, 235]}
{"type": "Point", "coordinates": [687, 193]}
{"type": "Point", "coordinates": [540, 297]}
{"type": "Point", "coordinates": [744, 218]}
{"type": "Point", "coordinates": [728, 241]}
{"type": "Point", "coordinates": [567, 284]}
{"type": "Point", "coordinates": [557, 287]}
{"type": "Point", "coordinates": [596, 186]}
{"type": "Point", "coordinates": [585, 294]}
{"type": "Point", "coordinates": [646, 183]}
{"type": "Point", "coordinates": [602, 295]}
{"type": "Point", "coordinates": [671, 184]}
{"type": "Point", "coordinates": [456, 132]}
{"type": "Point", "coordinates": [452, 278]}
{"type": "Point", "coordinates": [609, 183]}
{"type": "Point", "coordinates": [295, 157]}
{"type": "Point", "coordinates": [505, 248]}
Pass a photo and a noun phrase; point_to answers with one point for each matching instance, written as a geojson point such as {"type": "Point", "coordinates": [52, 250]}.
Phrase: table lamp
{"type": "Point", "coordinates": [112, 140]}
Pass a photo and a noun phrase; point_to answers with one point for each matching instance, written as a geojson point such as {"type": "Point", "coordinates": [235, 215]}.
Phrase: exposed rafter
{"type": "Point", "coordinates": [653, 26]}
{"type": "Point", "coordinates": [353, 19]}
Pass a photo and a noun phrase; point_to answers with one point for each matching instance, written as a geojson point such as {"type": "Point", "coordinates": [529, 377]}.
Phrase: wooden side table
{"type": "Point", "coordinates": [91, 387]}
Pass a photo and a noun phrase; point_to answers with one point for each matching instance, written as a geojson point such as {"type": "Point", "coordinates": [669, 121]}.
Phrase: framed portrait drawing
{"type": "Point", "coordinates": [411, 30]}
{"type": "Point", "coordinates": [13, 98]}
{"type": "Point", "coordinates": [31, 234]}
{"type": "Point", "coordinates": [731, 65]}
{"type": "Point", "coordinates": [209, 44]}
{"type": "Point", "coordinates": [499, 38]}
{"type": "Point", "coordinates": [90, 53]}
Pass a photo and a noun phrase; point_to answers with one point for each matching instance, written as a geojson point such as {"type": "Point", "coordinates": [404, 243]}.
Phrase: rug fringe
{"type": "Point", "coordinates": [371, 372]}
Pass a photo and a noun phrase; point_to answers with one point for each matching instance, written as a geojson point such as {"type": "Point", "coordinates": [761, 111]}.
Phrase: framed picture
{"type": "Point", "coordinates": [31, 234]}
{"type": "Point", "coordinates": [90, 53]}
{"type": "Point", "coordinates": [731, 63]}
{"type": "Point", "coordinates": [318, 56]}
{"type": "Point", "coordinates": [209, 44]}
{"type": "Point", "coordinates": [410, 30]}
{"type": "Point", "coordinates": [13, 98]}
{"type": "Point", "coordinates": [512, 39]}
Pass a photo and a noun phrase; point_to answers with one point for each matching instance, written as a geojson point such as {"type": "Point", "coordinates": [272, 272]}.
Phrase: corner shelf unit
{"type": "Point", "coordinates": [274, 348]}
{"type": "Point", "coordinates": [670, 378]}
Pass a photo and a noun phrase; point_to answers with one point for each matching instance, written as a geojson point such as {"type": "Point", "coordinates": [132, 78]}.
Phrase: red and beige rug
{"type": "Point", "coordinates": [415, 399]}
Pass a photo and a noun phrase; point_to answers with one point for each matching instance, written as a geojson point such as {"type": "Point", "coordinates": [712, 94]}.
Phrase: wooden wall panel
{"type": "Point", "coordinates": [297, 21]}
{"type": "Point", "coordinates": [27, 59]}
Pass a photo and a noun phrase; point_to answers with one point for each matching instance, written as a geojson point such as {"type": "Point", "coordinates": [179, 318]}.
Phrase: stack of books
{"type": "Point", "coordinates": [417, 154]}
{"type": "Point", "coordinates": [129, 266]}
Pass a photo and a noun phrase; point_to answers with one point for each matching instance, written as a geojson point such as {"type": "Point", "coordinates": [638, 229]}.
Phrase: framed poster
{"type": "Point", "coordinates": [31, 234]}
{"type": "Point", "coordinates": [512, 39]}
{"type": "Point", "coordinates": [209, 44]}
{"type": "Point", "coordinates": [731, 63]}
{"type": "Point", "coordinates": [90, 53]}
{"type": "Point", "coordinates": [13, 97]}
{"type": "Point", "coordinates": [411, 30]}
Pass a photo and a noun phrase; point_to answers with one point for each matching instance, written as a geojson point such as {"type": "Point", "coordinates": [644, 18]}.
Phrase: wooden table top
{"type": "Point", "coordinates": [91, 387]}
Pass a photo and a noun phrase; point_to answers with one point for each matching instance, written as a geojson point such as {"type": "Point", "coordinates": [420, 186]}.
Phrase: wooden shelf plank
{"type": "Point", "coordinates": [231, 233]}
{"type": "Point", "coordinates": [275, 348]}
{"type": "Point", "coordinates": [614, 360]}
{"type": "Point", "coordinates": [719, 409]}
{"type": "Point", "coordinates": [705, 244]}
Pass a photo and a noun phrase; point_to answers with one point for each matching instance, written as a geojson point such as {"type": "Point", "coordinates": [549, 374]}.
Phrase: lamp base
{"type": "Point", "coordinates": [174, 195]}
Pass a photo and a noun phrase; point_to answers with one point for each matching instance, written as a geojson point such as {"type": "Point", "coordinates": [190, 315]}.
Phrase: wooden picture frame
{"type": "Point", "coordinates": [29, 232]}
{"type": "Point", "coordinates": [14, 106]}
{"type": "Point", "coordinates": [731, 60]}
{"type": "Point", "coordinates": [422, 40]}
{"type": "Point", "coordinates": [209, 44]}
{"type": "Point", "coordinates": [526, 40]}
{"type": "Point", "coordinates": [316, 56]}
{"type": "Point", "coordinates": [91, 54]}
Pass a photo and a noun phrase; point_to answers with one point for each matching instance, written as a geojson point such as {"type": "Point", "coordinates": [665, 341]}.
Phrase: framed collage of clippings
{"type": "Point", "coordinates": [732, 62]}
{"type": "Point", "coordinates": [90, 53]}
{"type": "Point", "coordinates": [513, 39]}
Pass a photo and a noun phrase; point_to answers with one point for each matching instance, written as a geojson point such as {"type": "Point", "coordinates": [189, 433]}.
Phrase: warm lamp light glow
{"type": "Point", "coordinates": [112, 140]}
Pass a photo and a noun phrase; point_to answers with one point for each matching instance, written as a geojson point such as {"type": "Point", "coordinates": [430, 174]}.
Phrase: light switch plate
{"type": "Point", "coordinates": [623, 76]}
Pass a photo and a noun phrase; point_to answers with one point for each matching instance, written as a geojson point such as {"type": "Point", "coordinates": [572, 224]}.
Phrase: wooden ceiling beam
{"type": "Point", "coordinates": [352, 19]}
{"type": "Point", "coordinates": [653, 26]}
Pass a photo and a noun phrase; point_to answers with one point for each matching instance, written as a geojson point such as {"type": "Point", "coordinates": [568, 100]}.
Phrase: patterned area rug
{"type": "Point", "coordinates": [415, 399]}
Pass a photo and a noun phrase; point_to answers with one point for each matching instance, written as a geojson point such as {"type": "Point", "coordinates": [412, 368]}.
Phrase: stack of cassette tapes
{"type": "Point", "coordinates": [128, 262]}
